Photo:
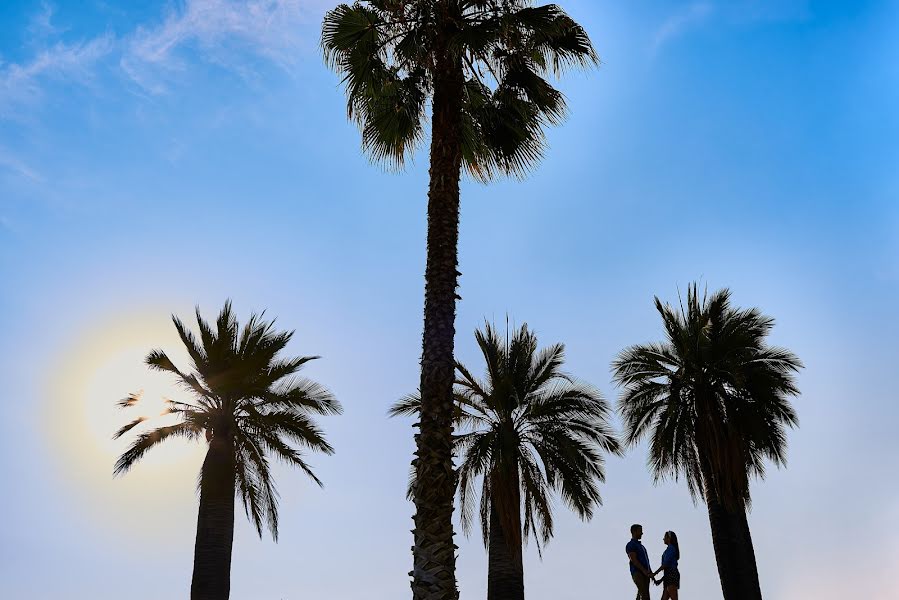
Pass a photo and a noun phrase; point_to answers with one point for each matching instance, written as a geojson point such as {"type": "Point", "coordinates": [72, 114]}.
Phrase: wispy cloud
{"type": "Point", "coordinates": [699, 13]}
{"type": "Point", "coordinates": [754, 11]}
{"type": "Point", "coordinates": [21, 83]}
{"type": "Point", "coordinates": [223, 32]}
{"type": "Point", "coordinates": [231, 33]}
{"type": "Point", "coordinates": [678, 23]}
{"type": "Point", "coordinates": [8, 162]}
{"type": "Point", "coordinates": [41, 25]}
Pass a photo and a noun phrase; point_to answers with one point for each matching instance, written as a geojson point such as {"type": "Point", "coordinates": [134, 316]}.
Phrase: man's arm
{"type": "Point", "coordinates": [636, 562]}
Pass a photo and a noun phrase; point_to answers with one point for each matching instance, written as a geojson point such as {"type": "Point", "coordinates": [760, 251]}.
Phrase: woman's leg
{"type": "Point", "coordinates": [671, 592]}
{"type": "Point", "coordinates": [665, 595]}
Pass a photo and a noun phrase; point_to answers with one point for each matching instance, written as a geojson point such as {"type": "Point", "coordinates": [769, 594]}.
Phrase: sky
{"type": "Point", "coordinates": [164, 155]}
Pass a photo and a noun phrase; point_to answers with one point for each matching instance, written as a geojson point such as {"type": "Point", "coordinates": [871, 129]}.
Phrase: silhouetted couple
{"type": "Point", "coordinates": [642, 573]}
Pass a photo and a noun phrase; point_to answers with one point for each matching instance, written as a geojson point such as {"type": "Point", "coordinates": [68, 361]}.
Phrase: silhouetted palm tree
{"type": "Point", "coordinates": [527, 428]}
{"type": "Point", "coordinates": [714, 400]}
{"type": "Point", "coordinates": [251, 406]}
{"type": "Point", "coordinates": [482, 64]}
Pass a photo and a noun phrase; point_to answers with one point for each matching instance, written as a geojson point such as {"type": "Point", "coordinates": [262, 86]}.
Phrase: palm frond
{"type": "Point", "coordinates": [538, 516]}
{"type": "Point", "coordinates": [145, 441]}
{"type": "Point", "coordinates": [261, 494]}
{"type": "Point", "coordinates": [194, 348]}
{"type": "Point", "coordinates": [288, 423]}
{"type": "Point", "coordinates": [125, 429]}
{"type": "Point", "coordinates": [407, 406]}
{"type": "Point", "coordinates": [159, 360]}
{"type": "Point", "coordinates": [130, 400]}
{"type": "Point", "coordinates": [303, 395]}
{"type": "Point", "coordinates": [280, 369]}
{"type": "Point", "coordinates": [467, 411]}
{"type": "Point", "coordinates": [386, 101]}
{"type": "Point", "coordinates": [476, 460]}
{"type": "Point", "coordinates": [289, 455]}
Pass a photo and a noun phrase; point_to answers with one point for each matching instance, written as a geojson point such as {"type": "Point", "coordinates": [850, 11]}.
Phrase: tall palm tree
{"type": "Point", "coordinates": [251, 405]}
{"type": "Point", "coordinates": [482, 64]}
{"type": "Point", "coordinates": [713, 398]}
{"type": "Point", "coordinates": [528, 428]}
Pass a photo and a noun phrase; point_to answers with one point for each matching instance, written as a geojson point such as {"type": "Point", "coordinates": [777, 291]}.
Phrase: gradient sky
{"type": "Point", "coordinates": [181, 153]}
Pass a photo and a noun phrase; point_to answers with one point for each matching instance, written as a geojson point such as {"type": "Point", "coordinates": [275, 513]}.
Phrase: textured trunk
{"type": "Point", "coordinates": [733, 551]}
{"type": "Point", "coordinates": [215, 524]}
{"type": "Point", "coordinates": [505, 573]}
{"type": "Point", "coordinates": [434, 570]}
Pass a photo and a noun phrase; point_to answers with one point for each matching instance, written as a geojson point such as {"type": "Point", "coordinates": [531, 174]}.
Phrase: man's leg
{"type": "Point", "coordinates": [642, 583]}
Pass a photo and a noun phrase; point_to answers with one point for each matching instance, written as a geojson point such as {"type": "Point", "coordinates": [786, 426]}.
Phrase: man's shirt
{"type": "Point", "coordinates": [640, 551]}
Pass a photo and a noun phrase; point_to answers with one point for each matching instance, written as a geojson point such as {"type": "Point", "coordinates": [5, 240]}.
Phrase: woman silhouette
{"type": "Point", "coordinates": [671, 579]}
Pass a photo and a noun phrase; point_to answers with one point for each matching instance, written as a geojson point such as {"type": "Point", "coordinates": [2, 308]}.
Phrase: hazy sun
{"type": "Point", "coordinates": [102, 366]}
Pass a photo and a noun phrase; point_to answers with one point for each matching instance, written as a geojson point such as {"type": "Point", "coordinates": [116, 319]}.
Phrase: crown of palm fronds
{"type": "Point", "coordinates": [387, 52]}
{"type": "Point", "coordinates": [525, 429]}
{"type": "Point", "coordinates": [713, 397]}
{"type": "Point", "coordinates": [247, 395]}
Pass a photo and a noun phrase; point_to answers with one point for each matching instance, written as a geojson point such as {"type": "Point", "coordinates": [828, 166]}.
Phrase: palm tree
{"type": "Point", "coordinates": [528, 428]}
{"type": "Point", "coordinates": [251, 405]}
{"type": "Point", "coordinates": [482, 64]}
{"type": "Point", "coordinates": [713, 398]}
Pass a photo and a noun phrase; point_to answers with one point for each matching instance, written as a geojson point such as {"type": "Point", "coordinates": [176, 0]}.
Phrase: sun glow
{"type": "Point", "coordinates": [102, 367]}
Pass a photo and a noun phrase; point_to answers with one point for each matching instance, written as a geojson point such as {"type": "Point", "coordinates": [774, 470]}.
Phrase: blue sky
{"type": "Point", "coordinates": [181, 153]}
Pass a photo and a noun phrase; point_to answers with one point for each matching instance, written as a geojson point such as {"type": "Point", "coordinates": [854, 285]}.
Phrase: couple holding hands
{"type": "Point", "coordinates": [641, 572]}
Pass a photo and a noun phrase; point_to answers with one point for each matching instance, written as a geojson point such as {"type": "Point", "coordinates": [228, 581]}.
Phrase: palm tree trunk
{"type": "Point", "coordinates": [215, 524]}
{"type": "Point", "coordinates": [434, 554]}
{"type": "Point", "coordinates": [505, 572]}
{"type": "Point", "coordinates": [733, 551]}
{"type": "Point", "coordinates": [747, 569]}
{"type": "Point", "coordinates": [727, 514]}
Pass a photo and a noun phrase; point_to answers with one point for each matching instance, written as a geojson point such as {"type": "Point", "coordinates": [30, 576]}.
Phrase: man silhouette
{"type": "Point", "coordinates": [641, 573]}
